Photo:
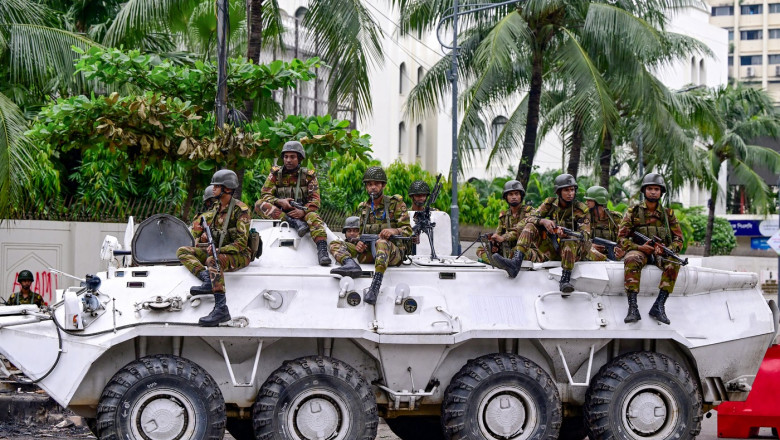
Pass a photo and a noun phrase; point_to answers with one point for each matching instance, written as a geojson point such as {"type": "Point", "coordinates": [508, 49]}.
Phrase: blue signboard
{"type": "Point", "coordinates": [745, 228]}
{"type": "Point", "coordinates": [759, 243]}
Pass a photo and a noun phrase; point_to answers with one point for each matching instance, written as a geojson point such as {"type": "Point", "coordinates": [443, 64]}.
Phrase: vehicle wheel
{"type": "Point", "coordinates": [643, 395]}
{"type": "Point", "coordinates": [161, 397]}
{"type": "Point", "coordinates": [92, 425]}
{"type": "Point", "coordinates": [240, 429]}
{"type": "Point", "coordinates": [573, 428]}
{"type": "Point", "coordinates": [501, 396]}
{"type": "Point", "coordinates": [315, 397]}
{"type": "Point", "coordinates": [416, 428]}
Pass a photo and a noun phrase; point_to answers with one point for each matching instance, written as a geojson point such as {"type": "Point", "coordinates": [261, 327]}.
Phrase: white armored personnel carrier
{"type": "Point", "coordinates": [452, 349]}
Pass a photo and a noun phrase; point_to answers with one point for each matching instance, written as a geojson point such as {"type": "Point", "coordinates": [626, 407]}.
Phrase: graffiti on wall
{"type": "Point", "coordinates": [45, 284]}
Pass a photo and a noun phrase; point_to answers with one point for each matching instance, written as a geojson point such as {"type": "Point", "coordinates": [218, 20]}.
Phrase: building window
{"type": "Point", "coordinates": [774, 59]}
{"type": "Point", "coordinates": [731, 33]}
{"type": "Point", "coordinates": [401, 137]}
{"type": "Point", "coordinates": [496, 127]}
{"type": "Point", "coordinates": [731, 60]}
{"type": "Point", "coordinates": [402, 76]}
{"type": "Point", "coordinates": [751, 9]}
{"type": "Point", "coordinates": [774, 33]}
{"type": "Point", "coordinates": [420, 74]}
{"type": "Point", "coordinates": [751, 35]}
{"type": "Point", "coordinates": [750, 60]}
{"type": "Point", "coordinates": [722, 10]}
{"type": "Point", "coordinates": [702, 73]}
{"type": "Point", "coordinates": [420, 141]}
{"type": "Point", "coordinates": [774, 8]}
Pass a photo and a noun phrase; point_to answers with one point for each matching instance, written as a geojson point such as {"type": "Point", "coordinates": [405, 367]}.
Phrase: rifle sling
{"type": "Point", "coordinates": [227, 222]}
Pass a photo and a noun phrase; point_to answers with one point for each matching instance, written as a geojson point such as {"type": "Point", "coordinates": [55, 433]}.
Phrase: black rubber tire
{"type": "Point", "coordinates": [573, 428]}
{"type": "Point", "coordinates": [240, 429]}
{"type": "Point", "coordinates": [164, 379]}
{"type": "Point", "coordinates": [465, 397]}
{"type": "Point", "coordinates": [328, 379]}
{"type": "Point", "coordinates": [417, 428]}
{"type": "Point", "coordinates": [92, 425]}
{"type": "Point", "coordinates": [654, 375]}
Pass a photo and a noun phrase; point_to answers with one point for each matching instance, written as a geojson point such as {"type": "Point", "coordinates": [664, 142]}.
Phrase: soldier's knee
{"type": "Point", "coordinates": [183, 252]}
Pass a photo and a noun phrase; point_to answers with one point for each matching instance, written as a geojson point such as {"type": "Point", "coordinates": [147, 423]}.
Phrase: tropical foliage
{"type": "Point", "coordinates": [723, 240]}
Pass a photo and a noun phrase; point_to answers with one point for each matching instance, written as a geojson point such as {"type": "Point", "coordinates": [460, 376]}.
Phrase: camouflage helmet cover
{"type": "Point", "coordinates": [419, 187]}
{"type": "Point", "coordinates": [25, 275]}
{"type": "Point", "coordinates": [565, 181]}
{"type": "Point", "coordinates": [375, 174]}
{"type": "Point", "coordinates": [598, 194]}
{"type": "Point", "coordinates": [208, 193]}
{"type": "Point", "coordinates": [226, 178]}
{"type": "Point", "coordinates": [653, 179]}
{"type": "Point", "coordinates": [294, 146]}
{"type": "Point", "coordinates": [513, 185]}
{"type": "Point", "coordinates": [352, 222]}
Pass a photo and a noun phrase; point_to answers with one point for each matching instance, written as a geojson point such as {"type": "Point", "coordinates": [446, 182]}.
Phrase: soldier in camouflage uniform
{"type": "Point", "coordinates": [208, 202]}
{"type": "Point", "coordinates": [292, 183]}
{"type": "Point", "coordinates": [650, 219]}
{"type": "Point", "coordinates": [505, 237]}
{"type": "Point", "coordinates": [380, 214]}
{"type": "Point", "coordinates": [25, 296]}
{"type": "Point", "coordinates": [546, 222]}
{"type": "Point", "coordinates": [229, 223]}
{"type": "Point", "coordinates": [603, 223]}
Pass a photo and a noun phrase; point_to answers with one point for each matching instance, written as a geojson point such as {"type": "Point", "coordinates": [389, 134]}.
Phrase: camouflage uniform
{"type": "Point", "coordinates": [16, 299]}
{"type": "Point", "coordinates": [661, 222]}
{"type": "Point", "coordinates": [300, 185]}
{"type": "Point", "coordinates": [535, 243]}
{"type": "Point", "coordinates": [387, 212]}
{"type": "Point", "coordinates": [508, 226]}
{"type": "Point", "coordinates": [234, 255]}
{"type": "Point", "coordinates": [603, 228]}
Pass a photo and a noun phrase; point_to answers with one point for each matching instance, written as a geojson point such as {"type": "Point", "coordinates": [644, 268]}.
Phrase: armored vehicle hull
{"type": "Point", "coordinates": [453, 349]}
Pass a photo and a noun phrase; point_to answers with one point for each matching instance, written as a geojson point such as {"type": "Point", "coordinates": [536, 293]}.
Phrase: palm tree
{"type": "Point", "coordinates": [745, 114]}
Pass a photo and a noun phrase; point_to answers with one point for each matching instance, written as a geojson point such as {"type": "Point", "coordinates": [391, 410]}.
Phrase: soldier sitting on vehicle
{"type": "Point", "coordinates": [419, 192]}
{"type": "Point", "coordinates": [603, 223]}
{"type": "Point", "coordinates": [229, 224]}
{"type": "Point", "coordinates": [505, 237]}
{"type": "Point", "coordinates": [291, 193]}
{"type": "Point", "coordinates": [208, 202]}
{"type": "Point", "coordinates": [545, 225]}
{"type": "Point", "coordinates": [25, 296]}
{"type": "Point", "coordinates": [652, 220]}
{"type": "Point", "coordinates": [383, 215]}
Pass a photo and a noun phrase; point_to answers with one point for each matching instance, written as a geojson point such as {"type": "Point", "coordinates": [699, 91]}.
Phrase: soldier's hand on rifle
{"type": "Point", "coordinates": [416, 239]}
{"type": "Point", "coordinates": [549, 225]}
{"type": "Point", "coordinates": [284, 204]}
{"type": "Point", "coordinates": [361, 247]}
{"type": "Point", "coordinates": [659, 250]}
{"type": "Point", "coordinates": [599, 248]}
{"type": "Point", "coordinates": [619, 252]}
{"type": "Point", "coordinates": [204, 238]}
{"type": "Point", "coordinates": [647, 249]}
{"type": "Point", "coordinates": [296, 213]}
{"type": "Point", "coordinates": [498, 238]}
{"type": "Point", "coordinates": [387, 233]}
{"type": "Point", "coordinates": [559, 232]}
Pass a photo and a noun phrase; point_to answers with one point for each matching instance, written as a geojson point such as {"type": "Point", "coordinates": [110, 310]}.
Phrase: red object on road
{"type": "Point", "coordinates": [762, 407]}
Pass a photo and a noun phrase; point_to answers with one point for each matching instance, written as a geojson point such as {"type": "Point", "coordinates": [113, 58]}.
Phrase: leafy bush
{"type": "Point", "coordinates": [723, 240]}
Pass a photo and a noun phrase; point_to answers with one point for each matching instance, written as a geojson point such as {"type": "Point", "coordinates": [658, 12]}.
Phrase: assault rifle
{"type": "Point", "coordinates": [610, 245]}
{"type": "Point", "coordinates": [571, 233]}
{"type": "Point", "coordinates": [297, 205]}
{"type": "Point", "coordinates": [422, 219]}
{"type": "Point", "coordinates": [214, 250]}
{"type": "Point", "coordinates": [668, 253]}
{"type": "Point", "coordinates": [370, 240]}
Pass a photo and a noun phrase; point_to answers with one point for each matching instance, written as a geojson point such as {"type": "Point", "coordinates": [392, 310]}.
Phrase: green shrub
{"type": "Point", "coordinates": [723, 240]}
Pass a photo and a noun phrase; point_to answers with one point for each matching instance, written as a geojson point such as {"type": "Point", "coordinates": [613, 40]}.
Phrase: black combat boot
{"type": "Point", "coordinates": [565, 285]}
{"type": "Point", "coordinates": [658, 311]}
{"type": "Point", "coordinates": [510, 265]}
{"type": "Point", "coordinates": [370, 296]}
{"type": "Point", "coordinates": [350, 268]}
{"type": "Point", "coordinates": [205, 288]}
{"type": "Point", "coordinates": [300, 226]}
{"type": "Point", "coordinates": [220, 313]}
{"type": "Point", "coordinates": [322, 253]}
{"type": "Point", "coordinates": [633, 310]}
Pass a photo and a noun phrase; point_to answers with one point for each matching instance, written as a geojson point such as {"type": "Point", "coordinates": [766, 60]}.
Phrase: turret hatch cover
{"type": "Point", "coordinates": [157, 239]}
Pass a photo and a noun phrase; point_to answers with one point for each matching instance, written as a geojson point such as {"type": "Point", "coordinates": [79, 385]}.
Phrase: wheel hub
{"type": "Point", "coordinates": [162, 416]}
{"type": "Point", "coordinates": [318, 415]}
{"type": "Point", "coordinates": [504, 415]}
{"type": "Point", "coordinates": [650, 412]}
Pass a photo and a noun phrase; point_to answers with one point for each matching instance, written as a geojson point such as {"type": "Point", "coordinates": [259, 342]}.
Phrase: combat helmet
{"type": "Point", "coordinates": [513, 185]}
{"type": "Point", "coordinates": [598, 194]}
{"type": "Point", "coordinates": [352, 222]}
{"type": "Point", "coordinates": [565, 181]}
{"type": "Point", "coordinates": [419, 187]}
{"type": "Point", "coordinates": [653, 179]}
{"type": "Point", "coordinates": [25, 275]}
{"type": "Point", "coordinates": [226, 178]}
{"type": "Point", "coordinates": [208, 193]}
{"type": "Point", "coordinates": [375, 174]}
{"type": "Point", "coordinates": [294, 146]}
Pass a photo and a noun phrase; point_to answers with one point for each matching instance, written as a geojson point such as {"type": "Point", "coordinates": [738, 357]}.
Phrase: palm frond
{"type": "Point", "coordinates": [136, 18]}
{"type": "Point", "coordinates": [15, 157]}
{"type": "Point", "coordinates": [25, 12]}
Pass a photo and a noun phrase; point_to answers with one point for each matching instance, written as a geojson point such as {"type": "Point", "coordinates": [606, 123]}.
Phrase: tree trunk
{"type": "Point", "coordinates": [606, 160]}
{"type": "Point", "coordinates": [254, 13]}
{"type": "Point", "coordinates": [576, 146]}
{"type": "Point", "coordinates": [532, 120]}
{"type": "Point", "coordinates": [710, 220]}
{"type": "Point", "coordinates": [191, 188]}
